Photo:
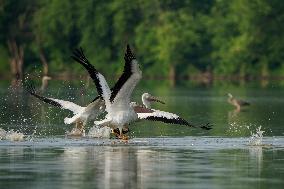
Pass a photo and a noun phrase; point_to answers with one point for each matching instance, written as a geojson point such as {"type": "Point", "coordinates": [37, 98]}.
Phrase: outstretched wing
{"type": "Point", "coordinates": [129, 57]}
{"type": "Point", "coordinates": [99, 80]}
{"type": "Point", "coordinates": [79, 56]}
{"type": "Point", "coordinates": [126, 83]}
{"type": "Point", "coordinates": [30, 88]}
{"type": "Point", "coordinates": [166, 117]}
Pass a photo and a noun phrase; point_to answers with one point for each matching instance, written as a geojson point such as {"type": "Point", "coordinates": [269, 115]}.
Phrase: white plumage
{"type": "Point", "coordinates": [81, 115]}
{"type": "Point", "coordinates": [117, 100]}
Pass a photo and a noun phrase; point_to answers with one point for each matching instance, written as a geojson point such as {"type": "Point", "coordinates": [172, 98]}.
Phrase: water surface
{"type": "Point", "coordinates": [157, 155]}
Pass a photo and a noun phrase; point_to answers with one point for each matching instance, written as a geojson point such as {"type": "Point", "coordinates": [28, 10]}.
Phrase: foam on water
{"type": "Point", "coordinates": [75, 132]}
{"type": "Point", "coordinates": [11, 135]}
{"type": "Point", "coordinates": [99, 132]}
{"type": "Point", "coordinates": [2, 134]}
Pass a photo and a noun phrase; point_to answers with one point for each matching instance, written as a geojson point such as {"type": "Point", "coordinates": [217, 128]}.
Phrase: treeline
{"type": "Point", "coordinates": [172, 38]}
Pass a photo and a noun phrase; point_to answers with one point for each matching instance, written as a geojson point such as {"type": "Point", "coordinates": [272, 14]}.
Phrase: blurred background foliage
{"type": "Point", "coordinates": [171, 38]}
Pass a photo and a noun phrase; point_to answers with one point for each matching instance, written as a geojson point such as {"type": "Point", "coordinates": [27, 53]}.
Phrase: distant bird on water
{"type": "Point", "coordinates": [44, 82]}
{"type": "Point", "coordinates": [237, 103]}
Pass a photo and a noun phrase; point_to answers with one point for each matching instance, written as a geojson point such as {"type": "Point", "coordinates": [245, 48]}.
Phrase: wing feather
{"type": "Point", "coordinates": [127, 73]}
{"type": "Point", "coordinates": [99, 80]}
{"type": "Point", "coordinates": [168, 117]}
{"type": "Point", "coordinates": [79, 56]}
{"type": "Point", "coordinates": [30, 88]}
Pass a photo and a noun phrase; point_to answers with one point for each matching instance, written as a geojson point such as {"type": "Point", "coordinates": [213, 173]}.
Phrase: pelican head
{"type": "Point", "coordinates": [230, 95]}
{"type": "Point", "coordinates": [147, 99]}
{"type": "Point", "coordinates": [46, 78]}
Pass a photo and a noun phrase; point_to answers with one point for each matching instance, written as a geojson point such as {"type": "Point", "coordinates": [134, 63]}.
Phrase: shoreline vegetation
{"type": "Point", "coordinates": [198, 40]}
{"type": "Point", "coordinates": [199, 79]}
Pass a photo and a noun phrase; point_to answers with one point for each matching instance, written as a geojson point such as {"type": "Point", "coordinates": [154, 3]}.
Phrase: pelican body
{"type": "Point", "coordinates": [81, 115]}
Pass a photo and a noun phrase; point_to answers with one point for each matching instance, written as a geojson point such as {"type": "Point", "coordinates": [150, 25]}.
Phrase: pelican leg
{"type": "Point", "coordinates": [115, 132]}
{"type": "Point", "coordinates": [80, 125]}
{"type": "Point", "coordinates": [78, 130]}
{"type": "Point", "coordinates": [122, 133]}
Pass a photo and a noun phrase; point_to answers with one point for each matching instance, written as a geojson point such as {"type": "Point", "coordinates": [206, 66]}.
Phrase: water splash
{"type": "Point", "coordinates": [76, 132]}
{"type": "Point", "coordinates": [2, 134]}
{"type": "Point", "coordinates": [256, 138]}
{"type": "Point", "coordinates": [99, 132]}
{"type": "Point", "coordinates": [11, 135]}
{"type": "Point", "coordinates": [32, 136]}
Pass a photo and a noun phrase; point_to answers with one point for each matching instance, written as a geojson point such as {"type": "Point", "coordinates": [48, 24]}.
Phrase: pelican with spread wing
{"type": "Point", "coordinates": [81, 115]}
{"type": "Point", "coordinates": [121, 112]}
{"type": "Point", "coordinates": [145, 112]}
{"type": "Point", "coordinates": [117, 100]}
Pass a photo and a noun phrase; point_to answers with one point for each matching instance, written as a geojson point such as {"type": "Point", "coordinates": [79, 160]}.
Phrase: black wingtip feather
{"type": "Point", "coordinates": [129, 56]}
{"type": "Point", "coordinates": [30, 88]}
{"type": "Point", "coordinates": [79, 56]}
{"type": "Point", "coordinates": [208, 126]}
{"type": "Point", "coordinates": [179, 121]}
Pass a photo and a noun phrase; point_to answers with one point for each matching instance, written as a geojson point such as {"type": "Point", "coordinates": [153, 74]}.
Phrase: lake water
{"type": "Point", "coordinates": [157, 155]}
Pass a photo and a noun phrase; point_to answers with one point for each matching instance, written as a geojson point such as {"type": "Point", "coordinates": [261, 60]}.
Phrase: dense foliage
{"type": "Point", "coordinates": [172, 38]}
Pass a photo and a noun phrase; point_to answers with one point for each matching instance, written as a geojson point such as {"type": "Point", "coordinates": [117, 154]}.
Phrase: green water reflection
{"type": "Point", "coordinates": [197, 104]}
{"type": "Point", "coordinates": [174, 162]}
{"type": "Point", "coordinates": [140, 167]}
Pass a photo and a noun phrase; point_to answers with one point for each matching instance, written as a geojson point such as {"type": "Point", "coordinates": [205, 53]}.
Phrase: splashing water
{"type": "Point", "coordinates": [256, 138]}
{"type": "Point", "coordinates": [2, 134]}
{"type": "Point", "coordinates": [11, 135]}
{"type": "Point", "coordinates": [76, 132]}
{"type": "Point", "coordinates": [97, 132]}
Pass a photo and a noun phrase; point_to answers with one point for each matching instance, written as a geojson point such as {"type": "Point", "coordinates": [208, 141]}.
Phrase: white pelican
{"type": "Point", "coordinates": [237, 103]}
{"type": "Point", "coordinates": [117, 100]}
{"type": "Point", "coordinates": [146, 112]}
{"type": "Point", "coordinates": [120, 111]}
{"type": "Point", "coordinates": [81, 115]}
{"type": "Point", "coordinates": [147, 99]}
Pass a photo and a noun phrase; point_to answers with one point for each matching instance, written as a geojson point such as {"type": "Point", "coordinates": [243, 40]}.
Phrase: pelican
{"type": "Point", "coordinates": [117, 100]}
{"type": "Point", "coordinates": [146, 112]}
{"type": "Point", "coordinates": [44, 82]}
{"type": "Point", "coordinates": [237, 103]}
{"type": "Point", "coordinates": [81, 115]}
{"type": "Point", "coordinates": [147, 99]}
{"type": "Point", "coordinates": [120, 111]}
